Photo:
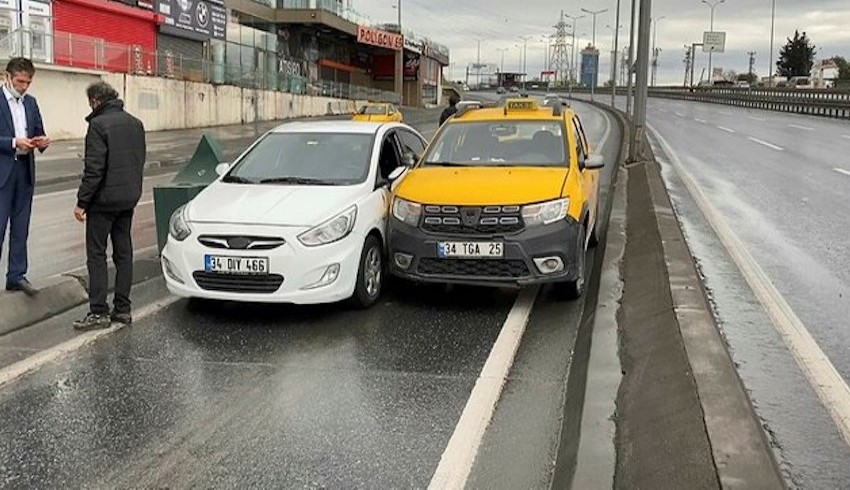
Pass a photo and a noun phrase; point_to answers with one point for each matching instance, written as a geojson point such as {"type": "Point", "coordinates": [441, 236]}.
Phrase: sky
{"type": "Point", "coordinates": [498, 25]}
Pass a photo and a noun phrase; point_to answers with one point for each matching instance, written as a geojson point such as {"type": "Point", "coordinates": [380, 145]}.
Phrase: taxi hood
{"type": "Point", "coordinates": [275, 205]}
{"type": "Point", "coordinates": [482, 186]}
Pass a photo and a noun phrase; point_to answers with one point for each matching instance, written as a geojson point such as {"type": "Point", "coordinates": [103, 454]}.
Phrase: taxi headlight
{"type": "Point", "coordinates": [545, 212]}
{"type": "Point", "coordinates": [178, 227]}
{"type": "Point", "coordinates": [407, 212]}
{"type": "Point", "coordinates": [332, 230]}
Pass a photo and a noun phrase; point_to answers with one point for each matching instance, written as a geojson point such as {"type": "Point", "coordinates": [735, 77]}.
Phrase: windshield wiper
{"type": "Point", "coordinates": [446, 164]}
{"type": "Point", "coordinates": [235, 179]}
{"type": "Point", "coordinates": [296, 180]}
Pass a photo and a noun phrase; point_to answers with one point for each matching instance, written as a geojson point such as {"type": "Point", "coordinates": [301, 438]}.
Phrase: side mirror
{"type": "Point", "coordinates": [408, 159]}
{"type": "Point", "coordinates": [221, 168]}
{"type": "Point", "coordinates": [594, 161]}
{"type": "Point", "coordinates": [397, 173]}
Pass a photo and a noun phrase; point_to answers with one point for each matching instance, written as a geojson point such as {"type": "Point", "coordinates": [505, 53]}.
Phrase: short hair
{"type": "Point", "coordinates": [453, 100]}
{"type": "Point", "coordinates": [20, 65]}
{"type": "Point", "coordinates": [101, 92]}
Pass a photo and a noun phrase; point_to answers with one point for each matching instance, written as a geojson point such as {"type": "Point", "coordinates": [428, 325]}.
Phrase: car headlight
{"type": "Point", "coordinates": [407, 212]}
{"type": "Point", "coordinates": [332, 230]}
{"type": "Point", "coordinates": [545, 212]}
{"type": "Point", "coordinates": [178, 227]}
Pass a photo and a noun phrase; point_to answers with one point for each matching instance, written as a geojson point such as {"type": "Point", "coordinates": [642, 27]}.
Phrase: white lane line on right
{"type": "Point", "coordinates": [722, 128]}
{"type": "Point", "coordinates": [804, 128]}
{"type": "Point", "coordinates": [701, 121]}
{"type": "Point", "coordinates": [459, 455]}
{"type": "Point", "coordinates": [757, 118]}
{"type": "Point", "coordinates": [842, 171]}
{"type": "Point", "coordinates": [819, 370]}
{"type": "Point", "coordinates": [679, 114]}
{"type": "Point", "coordinates": [765, 143]}
{"type": "Point", "coordinates": [20, 368]}
{"type": "Point", "coordinates": [846, 136]}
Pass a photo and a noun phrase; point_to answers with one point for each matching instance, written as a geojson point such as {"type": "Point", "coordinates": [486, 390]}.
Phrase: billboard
{"type": "Point", "coordinates": [713, 42]}
{"type": "Point", "coordinates": [377, 37]}
{"type": "Point", "coordinates": [195, 19]}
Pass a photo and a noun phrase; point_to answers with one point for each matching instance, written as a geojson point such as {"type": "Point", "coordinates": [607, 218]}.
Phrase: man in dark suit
{"type": "Point", "coordinates": [21, 132]}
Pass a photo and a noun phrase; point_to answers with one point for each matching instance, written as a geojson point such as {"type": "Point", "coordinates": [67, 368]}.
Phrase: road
{"type": "Point", "coordinates": [205, 395]}
{"type": "Point", "coordinates": [780, 183]}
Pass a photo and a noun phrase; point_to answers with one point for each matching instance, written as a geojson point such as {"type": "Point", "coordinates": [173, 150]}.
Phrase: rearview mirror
{"type": "Point", "coordinates": [398, 172]}
{"type": "Point", "coordinates": [594, 161]}
{"type": "Point", "coordinates": [221, 168]}
{"type": "Point", "coordinates": [408, 159]}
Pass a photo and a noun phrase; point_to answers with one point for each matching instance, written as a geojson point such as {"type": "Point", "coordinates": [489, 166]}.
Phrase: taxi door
{"type": "Point", "coordinates": [589, 178]}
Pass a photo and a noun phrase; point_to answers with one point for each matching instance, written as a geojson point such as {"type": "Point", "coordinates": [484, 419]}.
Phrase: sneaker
{"type": "Point", "coordinates": [92, 322]}
{"type": "Point", "coordinates": [122, 318]}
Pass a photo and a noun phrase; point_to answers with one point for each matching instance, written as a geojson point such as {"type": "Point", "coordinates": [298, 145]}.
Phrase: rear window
{"type": "Point", "coordinates": [508, 143]}
{"type": "Point", "coordinates": [374, 110]}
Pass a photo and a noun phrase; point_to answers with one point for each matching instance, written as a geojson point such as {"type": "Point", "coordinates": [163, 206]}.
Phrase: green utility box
{"type": "Point", "coordinates": [195, 177]}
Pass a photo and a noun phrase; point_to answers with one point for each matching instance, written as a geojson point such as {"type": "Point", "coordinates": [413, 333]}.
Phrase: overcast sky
{"type": "Point", "coordinates": [460, 24]}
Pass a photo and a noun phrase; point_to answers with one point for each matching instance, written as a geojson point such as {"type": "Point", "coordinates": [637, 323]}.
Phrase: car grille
{"type": "Point", "coordinates": [241, 242]}
{"type": "Point", "coordinates": [472, 220]}
{"type": "Point", "coordinates": [238, 283]}
{"type": "Point", "coordinates": [473, 268]}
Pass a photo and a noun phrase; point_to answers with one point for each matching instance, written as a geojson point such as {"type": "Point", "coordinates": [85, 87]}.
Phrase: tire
{"type": "Point", "coordinates": [575, 288]}
{"type": "Point", "coordinates": [594, 233]}
{"type": "Point", "coordinates": [370, 274]}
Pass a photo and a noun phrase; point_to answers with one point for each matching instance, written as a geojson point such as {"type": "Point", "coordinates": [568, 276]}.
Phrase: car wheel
{"type": "Point", "coordinates": [594, 233]}
{"type": "Point", "coordinates": [575, 288]}
{"type": "Point", "coordinates": [370, 275]}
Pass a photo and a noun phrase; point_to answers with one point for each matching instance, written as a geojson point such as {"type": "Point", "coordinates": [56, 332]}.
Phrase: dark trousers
{"type": "Point", "coordinates": [15, 210]}
{"type": "Point", "coordinates": [101, 226]}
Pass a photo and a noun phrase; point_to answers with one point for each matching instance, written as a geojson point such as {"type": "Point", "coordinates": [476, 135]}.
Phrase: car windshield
{"type": "Point", "coordinates": [306, 158]}
{"type": "Point", "coordinates": [509, 143]}
{"type": "Point", "coordinates": [374, 110]}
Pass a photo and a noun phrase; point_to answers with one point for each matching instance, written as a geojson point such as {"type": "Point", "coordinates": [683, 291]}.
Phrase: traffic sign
{"type": "Point", "coordinates": [713, 42]}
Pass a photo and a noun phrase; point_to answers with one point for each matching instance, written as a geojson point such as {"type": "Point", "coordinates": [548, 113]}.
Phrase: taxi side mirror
{"type": "Point", "coordinates": [408, 160]}
{"type": "Point", "coordinates": [594, 161]}
{"type": "Point", "coordinates": [221, 168]}
{"type": "Point", "coordinates": [397, 173]}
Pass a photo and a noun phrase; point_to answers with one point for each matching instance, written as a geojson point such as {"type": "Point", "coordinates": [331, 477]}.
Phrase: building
{"type": "Point", "coordinates": [590, 66]}
{"type": "Point", "coordinates": [825, 73]}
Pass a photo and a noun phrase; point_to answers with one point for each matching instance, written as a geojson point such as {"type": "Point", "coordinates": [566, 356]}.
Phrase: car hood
{"type": "Point", "coordinates": [482, 186]}
{"type": "Point", "coordinates": [276, 205]}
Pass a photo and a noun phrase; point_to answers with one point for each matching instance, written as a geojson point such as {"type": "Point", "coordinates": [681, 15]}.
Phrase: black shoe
{"type": "Point", "coordinates": [22, 285]}
{"type": "Point", "coordinates": [122, 318]}
{"type": "Point", "coordinates": [92, 322]}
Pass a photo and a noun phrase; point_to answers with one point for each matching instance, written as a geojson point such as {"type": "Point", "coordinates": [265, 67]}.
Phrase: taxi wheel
{"type": "Point", "coordinates": [370, 275]}
{"type": "Point", "coordinates": [575, 288]}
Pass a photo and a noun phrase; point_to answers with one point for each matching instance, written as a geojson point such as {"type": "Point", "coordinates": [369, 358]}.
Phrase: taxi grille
{"type": "Point", "coordinates": [472, 220]}
{"type": "Point", "coordinates": [473, 268]}
{"type": "Point", "coordinates": [238, 283]}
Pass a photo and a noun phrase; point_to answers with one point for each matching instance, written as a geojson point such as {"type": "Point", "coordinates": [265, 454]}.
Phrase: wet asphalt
{"type": "Point", "coordinates": [251, 396]}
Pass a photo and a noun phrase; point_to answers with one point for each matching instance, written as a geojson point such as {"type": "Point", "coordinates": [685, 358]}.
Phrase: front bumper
{"type": "Point", "coordinates": [292, 265]}
{"type": "Point", "coordinates": [516, 268]}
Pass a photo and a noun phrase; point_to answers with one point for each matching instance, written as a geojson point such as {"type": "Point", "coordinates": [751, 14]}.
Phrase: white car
{"type": "Point", "coordinates": [299, 218]}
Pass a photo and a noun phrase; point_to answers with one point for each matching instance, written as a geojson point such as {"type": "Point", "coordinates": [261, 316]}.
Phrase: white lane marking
{"type": "Point", "coordinates": [804, 128]}
{"type": "Point", "coordinates": [822, 375]}
{"type": "Point", "coordinates": [722, 128]}
{"type": "Point", "coordinates": [701, 121]}
{"type": "Point", "coordinates": [459, 455]}
{"type": "Point", "coordinates": [607, 132]}
{"type": "Point", "coordinates": [679, 114]}
{"type": "Point", "coordinates": [842, 171]}
{"type": "Point", "coordinates": [145, 203]}
{"type": "Point", "coordinates": [20, 368]}
{"type": "Point", "coordinates": [846, 136]}
{"type": "Point", "coordinates": [757, 118]}
{"type": "Point", "coordinates": [765, 143]}
{"type": "Point", "coordinates": [728, 113]}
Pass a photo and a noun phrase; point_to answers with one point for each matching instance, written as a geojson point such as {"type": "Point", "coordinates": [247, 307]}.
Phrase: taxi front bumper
{"type": "Point", "coordinates": [413, 255]}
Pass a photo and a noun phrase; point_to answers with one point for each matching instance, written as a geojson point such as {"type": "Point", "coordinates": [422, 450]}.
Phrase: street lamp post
{"type": "Point", "coordinates": [525, 40]}
{"type": "Point", "coordinates": [502, 65]}
{"type": "Point", "coordinates": [399, 61]}
{"type": "Point", "coordinates": [573, 63]}
{"type": "Point", "coordinates": [770, 69]}
{"type": "Point", "coordinates": [655, 22]}
{"type": "Point", "coordinates": [631, 61]}
{"type": "Point", "coordinates": [712, 4]}
{"type": "Point", "coordinates": [593, 42]}
{"type": "Point", "coordinates": [614, 58]}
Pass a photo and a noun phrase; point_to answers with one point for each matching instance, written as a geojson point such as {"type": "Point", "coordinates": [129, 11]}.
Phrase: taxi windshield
{"type": "Point", "coordinates": [500, 143]}
{"type": "Point", "coordinates": [374, 110]}
{"type": "Point", "coordinates": [306, 158]}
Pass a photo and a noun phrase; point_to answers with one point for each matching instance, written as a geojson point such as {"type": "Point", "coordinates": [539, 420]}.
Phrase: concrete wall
{"type": "Point", "coordinates": [164, 104]}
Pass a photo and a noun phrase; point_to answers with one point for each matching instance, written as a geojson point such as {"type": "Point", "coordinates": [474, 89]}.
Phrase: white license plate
{"type": "Point", "coordinates": [236, 265]}
{"type": "Point", "coordinates": [475, 250]}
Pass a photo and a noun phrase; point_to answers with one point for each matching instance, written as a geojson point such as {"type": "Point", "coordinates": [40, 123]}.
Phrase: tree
{"type": "Point", "coordinates": [843, 67]}
{"type": "Point", "coordinates": [797, 57]}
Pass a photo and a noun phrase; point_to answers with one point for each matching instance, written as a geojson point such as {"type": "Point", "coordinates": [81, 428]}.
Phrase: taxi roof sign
{"type": "Point", "coordinates": [520, 105]}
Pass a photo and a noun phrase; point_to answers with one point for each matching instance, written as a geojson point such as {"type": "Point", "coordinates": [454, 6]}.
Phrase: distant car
{"type": "Point", "coordinates": [378, 113]}
{"type": "Point", "coordinates": [469, 103]}
{"type": "Point", "coordinates": [501, 90]}
{"type": "Point", "coordinates": [514, 89]}
{"type": "Point", "coordinates": [800, 82]}
{"type": "Point", "coordinates": [298, 218]}
{"type": "Point", "coordinates": [742, 84]}
{"type": "Point", "coordinates": [550, 99]}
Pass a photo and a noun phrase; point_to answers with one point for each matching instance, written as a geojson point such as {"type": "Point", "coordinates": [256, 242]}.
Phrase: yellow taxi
{"type": "Point", "coordinates": [504, 196]}
{"type": "Point", "coordinates": [378, 112]}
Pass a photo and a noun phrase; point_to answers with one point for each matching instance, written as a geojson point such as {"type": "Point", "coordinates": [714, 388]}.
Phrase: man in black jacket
{"type": "Point", "coordinates": [451, 110]}
{"type": "Point", "coordinates": [110, 189]}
